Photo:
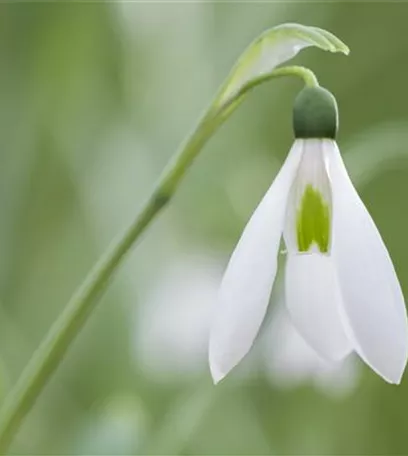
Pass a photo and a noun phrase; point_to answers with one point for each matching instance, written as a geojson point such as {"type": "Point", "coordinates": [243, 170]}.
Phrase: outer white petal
{"type": "Point", "coordinates": [248, 280]}
{"type": "Point", "coordinates": [313, 299]}
{"type": "Point", "coordinates": [373, 303]}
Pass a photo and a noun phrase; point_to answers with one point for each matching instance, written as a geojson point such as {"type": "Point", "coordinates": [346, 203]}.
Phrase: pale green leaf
{"type": "Point", "coordinates": [274, 47]}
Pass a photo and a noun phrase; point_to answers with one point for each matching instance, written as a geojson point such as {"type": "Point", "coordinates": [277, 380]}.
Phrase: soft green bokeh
{"type": "Point", "coordinates": [94, 99]}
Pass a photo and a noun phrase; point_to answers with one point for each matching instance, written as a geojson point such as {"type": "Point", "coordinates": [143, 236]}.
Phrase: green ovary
{"type": "Point", "coordinates": [313, 221]}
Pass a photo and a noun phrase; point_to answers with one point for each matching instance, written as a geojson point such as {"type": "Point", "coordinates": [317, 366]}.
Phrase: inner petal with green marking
{"type": "Point", "coordinates": [309, 207]}
{"type": "Point", "coordinates": [313, 221]}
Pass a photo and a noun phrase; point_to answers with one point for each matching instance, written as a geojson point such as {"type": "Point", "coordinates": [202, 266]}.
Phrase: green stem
{"type": "Point", "coordinates": [51, 351]}
{"type": "Point", "coordinates": [295, 70]}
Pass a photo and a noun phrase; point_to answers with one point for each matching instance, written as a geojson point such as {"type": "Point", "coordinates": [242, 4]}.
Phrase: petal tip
{"type": "Point", "coordinates": [394, 379]}
{"type": "Point", "coordinates": [392, 375]}
{"type": "Point", "coordinates": [397, 378]}
{"type": "Point", "coordinates": [216, 373]}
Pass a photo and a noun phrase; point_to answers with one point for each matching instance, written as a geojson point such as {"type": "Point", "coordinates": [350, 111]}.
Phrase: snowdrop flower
{"type": "Point", "coordinates": [341, 289]}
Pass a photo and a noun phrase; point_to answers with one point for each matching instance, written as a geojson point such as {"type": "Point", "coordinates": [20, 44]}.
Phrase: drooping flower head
{"type": "Point", "coordinates": [341, 288]}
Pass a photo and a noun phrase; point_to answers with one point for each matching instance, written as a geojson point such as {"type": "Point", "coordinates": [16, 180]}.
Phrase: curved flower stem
{"type": "Point", "coordinates": [51, 351]}
{"type": "Point", "coordinates": [304, 73]}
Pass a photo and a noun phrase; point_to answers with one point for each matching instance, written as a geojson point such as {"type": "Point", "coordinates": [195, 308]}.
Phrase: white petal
{"type": "Point", "coordinates": [250, 274]}
{"type": "Point", "coordinates": [311, 172]}
{"type": "Point", "coordinates": [313, 299]}
{"type": "Point", "coordinates": [373, 303]}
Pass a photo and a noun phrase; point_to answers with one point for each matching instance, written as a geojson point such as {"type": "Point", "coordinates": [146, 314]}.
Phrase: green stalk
{"type": "Point", "coordinates": [51, 351]}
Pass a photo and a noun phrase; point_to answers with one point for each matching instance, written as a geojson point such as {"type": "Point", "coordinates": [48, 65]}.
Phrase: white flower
{"type": "Point", "coordinates": [341, 288]}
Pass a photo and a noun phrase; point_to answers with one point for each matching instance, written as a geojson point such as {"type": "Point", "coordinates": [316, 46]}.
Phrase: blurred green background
{"type": "Point", "coordinates": [94, 99]}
